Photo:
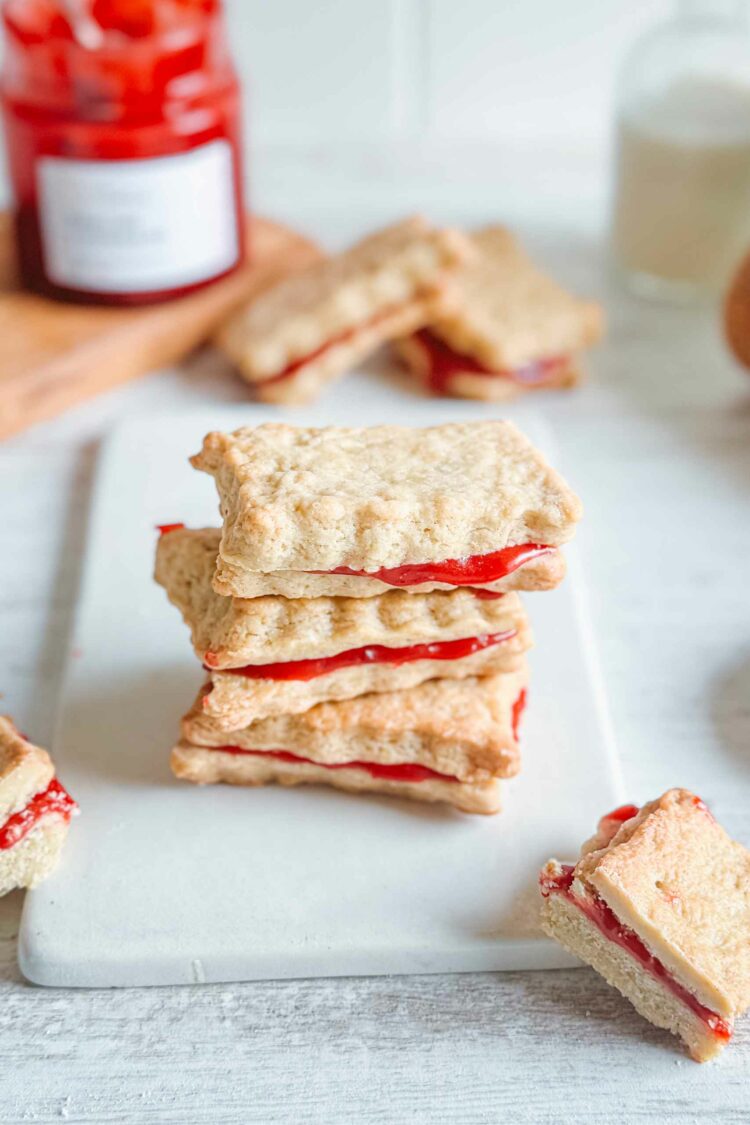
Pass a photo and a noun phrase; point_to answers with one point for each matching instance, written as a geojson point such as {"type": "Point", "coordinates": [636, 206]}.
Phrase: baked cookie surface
{"type": "Point", "coordinates": [373, 499]}
{"type": "Point", "coordinates": [35, 811]}
{"type": "Point", "coordinates": [510, 327]}
{"type": "Point", "coordinates": [229, 632]}
{"type": "Point", "coordinates": [315, 324]}
{"type": "Point", "coordinates": [659, 903]}
{"type": "Point", "coordinates": [464, 729]}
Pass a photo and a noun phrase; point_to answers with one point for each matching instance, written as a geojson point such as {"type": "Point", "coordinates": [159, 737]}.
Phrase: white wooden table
{"type": "Point", "coordinates": [659, 445]}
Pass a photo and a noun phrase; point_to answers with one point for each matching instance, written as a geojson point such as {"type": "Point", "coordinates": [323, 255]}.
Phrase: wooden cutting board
{"type": "Point", "coordinates": [54, 354]}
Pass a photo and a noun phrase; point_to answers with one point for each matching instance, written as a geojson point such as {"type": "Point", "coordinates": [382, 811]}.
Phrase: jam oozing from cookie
{"type": "Point", "coordinates": [517, 712]}
{"type": "Point", "coordinates": [369, 654]}
{"type": "Point", "coordinates": [471, 571]}
{"type": "Point", "coordinates": [331, 343]}
{"type": "Point", "coordinates": [444, 363]}
{"type": "Point", "coordinates": [54, 799]}
{"type": "Point", "coordinates": [623, 813]}
{"type": "Point", "coordinates": [404, 771]}
{"type": "Point", "coordinates": [165, 528]}
{"type": "Point", "coordinates": [607, 922]}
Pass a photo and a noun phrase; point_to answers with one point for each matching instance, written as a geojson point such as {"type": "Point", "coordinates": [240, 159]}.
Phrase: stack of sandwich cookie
{"type": "Point", "coordinates": [35, 811]}
{"type": "Point", "coordinates": [272, 655]}
{"type": "Point", "coordinates": [356, 615]}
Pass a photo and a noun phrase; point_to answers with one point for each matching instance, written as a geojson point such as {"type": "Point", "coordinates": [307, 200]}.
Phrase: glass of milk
{"type": "Point", "coordinates": [681, 209]}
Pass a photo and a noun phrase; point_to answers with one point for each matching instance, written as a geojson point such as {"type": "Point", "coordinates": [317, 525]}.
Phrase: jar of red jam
{"type": "Point", "coordinates": [122, 121]}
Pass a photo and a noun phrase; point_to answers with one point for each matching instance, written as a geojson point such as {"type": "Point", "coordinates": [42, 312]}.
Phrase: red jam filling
{"type": "Point", "coordinates": [445, 362]}
{"type": "Point", "coordinates": [54, 799]}
{"type": "Point", "coordinates": [517, 713]}
{"type": "Point", "coordinates": [165, 528]}
{"type": "Point", "coordinates": [610, 926]}
{"type": "Point", "coordinates": [405, 771]}
{"type": "Point", "coordinates": [370, 654]}
{"type": "Point", "coordinates": [332, 342]}
{"type": "Point", "coordinates": [623, 813]}
{"type": "Point", "coordinates": [454, 572]}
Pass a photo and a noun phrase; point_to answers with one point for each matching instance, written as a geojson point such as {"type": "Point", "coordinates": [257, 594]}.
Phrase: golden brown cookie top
{"type": "Point", "coordinates": [505, 312]}
{"type": "Point", "coordinates": [384, 496]}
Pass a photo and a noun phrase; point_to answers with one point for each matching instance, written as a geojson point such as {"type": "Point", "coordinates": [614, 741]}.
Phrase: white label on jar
{"type": "Point", "coordinates": [132, 226]}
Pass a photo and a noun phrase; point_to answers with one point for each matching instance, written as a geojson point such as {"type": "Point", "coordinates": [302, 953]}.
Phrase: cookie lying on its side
{"type": "Point", "coordinates": [34, 811]}
{"type": "Point", "coordinates": [659, 904]}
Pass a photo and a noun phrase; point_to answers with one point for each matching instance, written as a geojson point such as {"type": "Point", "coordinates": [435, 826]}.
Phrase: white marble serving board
{"type": "Point", "coordinates": [165, 883]}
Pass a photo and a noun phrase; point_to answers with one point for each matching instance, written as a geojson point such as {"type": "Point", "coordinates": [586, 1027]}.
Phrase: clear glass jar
{"type": "Point", "coordinates": [681, 209]}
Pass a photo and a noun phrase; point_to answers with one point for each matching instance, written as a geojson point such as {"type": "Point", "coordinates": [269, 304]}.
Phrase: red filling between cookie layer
{"type": "Point", "coordinates": [404, 771]}
{"type": "Point", "coordinates": [445, 363]}
{"type": "Point", "coordinates": [623, 813]}
{"type": "Point", "coordinates": [54, 799]}
{"type": "Point", "coordinates": [454, 572]}
{"type": "Point", "coordinates": [369, 654]}
{"type": "Point", "coordinates": [332, 342]}
{"type": "Point", "coordinates": [607, 922]}
{"type": "Point", "coordinates": [517, 712]}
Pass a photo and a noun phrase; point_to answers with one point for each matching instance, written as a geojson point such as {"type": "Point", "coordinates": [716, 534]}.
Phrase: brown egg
{"type": "Point", "coordinates": [737, 313]}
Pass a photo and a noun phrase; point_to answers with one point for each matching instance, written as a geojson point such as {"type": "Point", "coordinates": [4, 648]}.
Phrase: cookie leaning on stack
{"type": "Point", "coordinates": [509, 329]}
{"type": "Point", "coordinates": [320, 668]}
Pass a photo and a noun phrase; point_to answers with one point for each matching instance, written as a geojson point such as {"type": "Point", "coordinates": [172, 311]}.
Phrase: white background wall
{"type": "Point", "coordinates": [326, 71]}
{"type": "Point", "coordinates": [324, 77]}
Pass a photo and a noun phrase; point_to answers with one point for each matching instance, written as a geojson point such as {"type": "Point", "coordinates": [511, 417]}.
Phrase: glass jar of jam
{"type": "Point", "coordinates": [122, 121]}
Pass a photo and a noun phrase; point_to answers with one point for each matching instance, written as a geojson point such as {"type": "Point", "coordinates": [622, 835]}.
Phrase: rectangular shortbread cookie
{"type": "Point", "coordinates": [232, 632]}
{"type": "Point", "coordinates": [320, 322]}
{"type": "Point", "coordinates": [507, 311]}
{"type": "Point", "coordinates": [374, 501]}
{"type": "Point", "coordinates": [34, 811]}
{"type": "Point", "coordinates": [234, 701]}
{"type": "Point", "coordinates": [659, 904]}
{"type": "Point", "coordinates": [463, 729]}
{"type": "Point", "coordinates": [203, 767]}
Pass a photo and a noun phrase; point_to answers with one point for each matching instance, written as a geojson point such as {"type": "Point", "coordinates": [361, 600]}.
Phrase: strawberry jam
{"type": "Point", "coordinates": [517, 713]}
{"type": "Point", "coordinates": [331, 343]}
{"type": "Point", "coordinates": [370, 654]}
{"type": "Point", "coordinates": [473, 570]}
{"type": "Point", "coordinates": [165, 528]}
{"type": "Point", "coordinates": [404, 771]}
{"type": "Point", "coordinates": [607, 922]}
{"type": "Point", "coordinates": [623, 813]}
{"type": "Point", "coordinates": [54, 799]}
{"type": "Point", "coordinates": [444, 363]}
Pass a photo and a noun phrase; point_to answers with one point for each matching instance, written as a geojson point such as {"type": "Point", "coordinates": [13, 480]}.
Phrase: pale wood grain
{"type": "Point", "coordinates": [54, 354]}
